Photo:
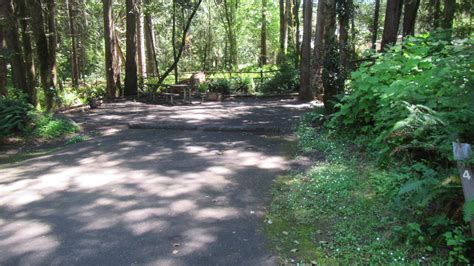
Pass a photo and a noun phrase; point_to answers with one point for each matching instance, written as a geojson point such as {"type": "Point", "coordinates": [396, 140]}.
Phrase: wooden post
{"type": "Point", "coordinates": [261, 77]}
{"type": "Point", "coordinates": [462, 153]}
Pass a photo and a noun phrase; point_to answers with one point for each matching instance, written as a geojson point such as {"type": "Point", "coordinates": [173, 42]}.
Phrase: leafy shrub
{"type": "Point", "coordinates": [48, 126]}
{"type": "Point", "coordinates": [219, 85]}
{"type": "Point", "coordinates": [87, 93]}
{"type": "Point", "coordinates": [412, 100]}
{"type": "Point", "coordinates": [284, 81]}
{"type": "Point", "coordinates": [203, 87]}
{"type": "Point", "coordinates": [15, 116]}
{"type": "Point", "coordinates": [243, 86]}
{"type": "Point", "coordinates": [411, 103]}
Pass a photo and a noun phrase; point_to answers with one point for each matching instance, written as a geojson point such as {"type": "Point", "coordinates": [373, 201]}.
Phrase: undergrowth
{"type": "Point", "coordinates": [346, 210]}
{"type": "Point", "coordinates": [18, 118]}
{"type": "Point", "coordinates": [48, 126]}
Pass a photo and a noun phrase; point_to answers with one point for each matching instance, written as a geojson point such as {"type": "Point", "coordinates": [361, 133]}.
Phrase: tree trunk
{"type": "Point", "coordinates": [375, 24]}
{"type": "Point", "coordinates": [331, 75]}
{"type": "Point", "coordinates": [3, 63]}
{"type": "Point", "coordinates": [344, 35]}
{"type": "Point", "coordinates": [319, 47]}
{"type": "Point", "coordinates": [448, 14]}
{"type": "Point", "coordinates": [436, 14]}
{"type": "Point", "coordinates": [14, 46]}
{"type": "Point", "coordinates": [151, 65]}
{"type": "Point", "coordinates": [409, 17]}
{"type": "Point", "coordinates": [52, 43]}
{"type": "Point", "coordinates": [283, 33]}
{"type": "Point", "coordinates": [392, 22]}
{"type": "Point", "coordinates": [296, 11]}
{"type": "Point", "coordinates": [112, 68]}
{"type": "Point", "coordinates": [305, 92]}
{"type": "Point", "coordinates": [183, 42]}
{"type": "Point", "coordinates": [209, 45]}
{"type": "Point", "coordinates": [28, 51]}
{"type": "Point", "coordinates": [263, 35]}
{"type": "Point", "coordinates": [173, 41]}
{"type": "Point", "coordinates": [289, 19]}
{"type": "Point", "coordinates": [44, 31]}
{"type": "Point", "coordinates": [230, 9]}
{"type": "Point", "coordinates": [131, 81]}
{"type": "Point", "coordinates": [142, 70]}
{"type": "Point", "coordinates": [72, 7]}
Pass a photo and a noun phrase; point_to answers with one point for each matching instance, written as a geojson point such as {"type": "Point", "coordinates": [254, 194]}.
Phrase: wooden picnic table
{"type": "Point", "coordinates": [186, 89]}
{"type": "Point", "coordinates": [171, 89]}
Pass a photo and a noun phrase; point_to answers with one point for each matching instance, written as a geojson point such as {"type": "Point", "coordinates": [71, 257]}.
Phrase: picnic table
{"type": "Point", "coordinates": [186, 89]}
{"type": "Point", "coordinates": [172, 90]}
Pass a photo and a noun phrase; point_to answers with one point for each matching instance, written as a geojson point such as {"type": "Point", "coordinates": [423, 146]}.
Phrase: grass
{"type": "Point", "coordinates": [47, 126]}
{"type": "Point", "coordinates": [338, 212]}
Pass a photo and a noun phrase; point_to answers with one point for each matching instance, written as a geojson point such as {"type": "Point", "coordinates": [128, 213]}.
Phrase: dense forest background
{"type": "Point", "coordinates": [59, 45]}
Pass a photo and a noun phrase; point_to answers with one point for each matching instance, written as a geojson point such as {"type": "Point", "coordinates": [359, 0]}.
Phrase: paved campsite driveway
{"type": "Point", "coordinates": [159, 197]}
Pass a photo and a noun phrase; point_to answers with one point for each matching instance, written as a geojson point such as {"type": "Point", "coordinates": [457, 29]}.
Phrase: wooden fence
{"type": "Point", "coordinates": [261, 75]}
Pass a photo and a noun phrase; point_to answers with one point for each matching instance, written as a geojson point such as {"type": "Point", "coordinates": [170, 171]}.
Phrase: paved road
{"type": "Point", "coordinates": [158, 197]}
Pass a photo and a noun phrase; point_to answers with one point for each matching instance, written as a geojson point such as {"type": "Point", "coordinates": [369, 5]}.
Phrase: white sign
{"type": "Point", "coordinates": [466, 175]}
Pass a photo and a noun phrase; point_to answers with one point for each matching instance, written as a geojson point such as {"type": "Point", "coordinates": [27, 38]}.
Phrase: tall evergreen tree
{"type": "Point", "coordinates": [392, 22]}
{"type": "Point", "coordinates": [112, 67]}
{"type": "Point", "coordinates": [131, 79]}
{"type": "Point", "coordinates": [305, 91]}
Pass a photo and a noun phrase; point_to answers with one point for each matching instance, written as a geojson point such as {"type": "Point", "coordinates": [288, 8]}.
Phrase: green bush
{"type": "Point", "coordinates": [243, 86]}
{"type": "Point", "coordinates": [15, 116]}
{"type": "Point", "coordinates": [220, 85]}
{"type": "Point", "coordinates": [284, 81]}
{"type": "Point", "coordinates": [48, 126]}
{"type": "Point", "coordinates": [405, 108]}
{"type": "Point", "coordinates": [87, 93]}
{"type": "Point", "coordinates": [413, 100]}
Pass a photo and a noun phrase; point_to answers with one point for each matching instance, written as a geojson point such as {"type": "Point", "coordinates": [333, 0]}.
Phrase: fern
{"type": "Point", "coordinates": [468, 210]}
{"type": "Point", "coordinates": [15, 116]}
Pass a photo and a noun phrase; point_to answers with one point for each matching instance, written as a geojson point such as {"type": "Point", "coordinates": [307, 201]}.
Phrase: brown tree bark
{"type": "Point", "coordinates": [392, 22]}
{"type": "Point", "coordinates": [44, 31]}
{"type": "Point", "coordinates": [409, 17]}
{"type": "Point", "coordinates": [436, 14]}
{"type": "Point", "coordinates": [263, 35]}
{"type": "Point", "coordinates": [173, 41]}
{"type": "Point", "coordinates": [151, 64]}
{"type": "Point", "coordinates": [112, 67]}
{"type": "Point", "coordinates": [72, 10]}
{"type": "Point", "coordinates": [330, 72]}
{"type": "Point", "coordinates": [25, 26]}
{"type": "Point", "coordinates": [14, 45]}
{"type": "Point", "coordinates": [375, 24]}
{"type": "Point", "coordinates": [305, 91]}
{"type": "Point", "coordinates": [290, 22]}
{"type": "Point", "coordinates": [448, 14]}
{"type": "Point", "coordinates": [296, 12]}
{"type": "Point", "coordinates": [344, 16]}
{"type": "Point", "coordinates": [3, 63]}
{"type": "Point", "coordinates": [131, 80]}
{"type": "Point", "coordinates": [141, 43]}
{"type": "Point", "coordinates": [283, 32]}
{"type": "Point", "coordinates": [319, 47]}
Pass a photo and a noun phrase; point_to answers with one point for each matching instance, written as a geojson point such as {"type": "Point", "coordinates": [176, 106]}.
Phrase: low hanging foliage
{"type": "Point", "coordinates": [406, 107]}
{"type": "Point", "coordinates": [413, 100]}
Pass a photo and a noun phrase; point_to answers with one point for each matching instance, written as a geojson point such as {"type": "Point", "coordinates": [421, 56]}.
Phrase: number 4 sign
{"type": "Point", "coordinates": [462, 153]}
{"type": "Point", "coordinates": [466, 175]}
